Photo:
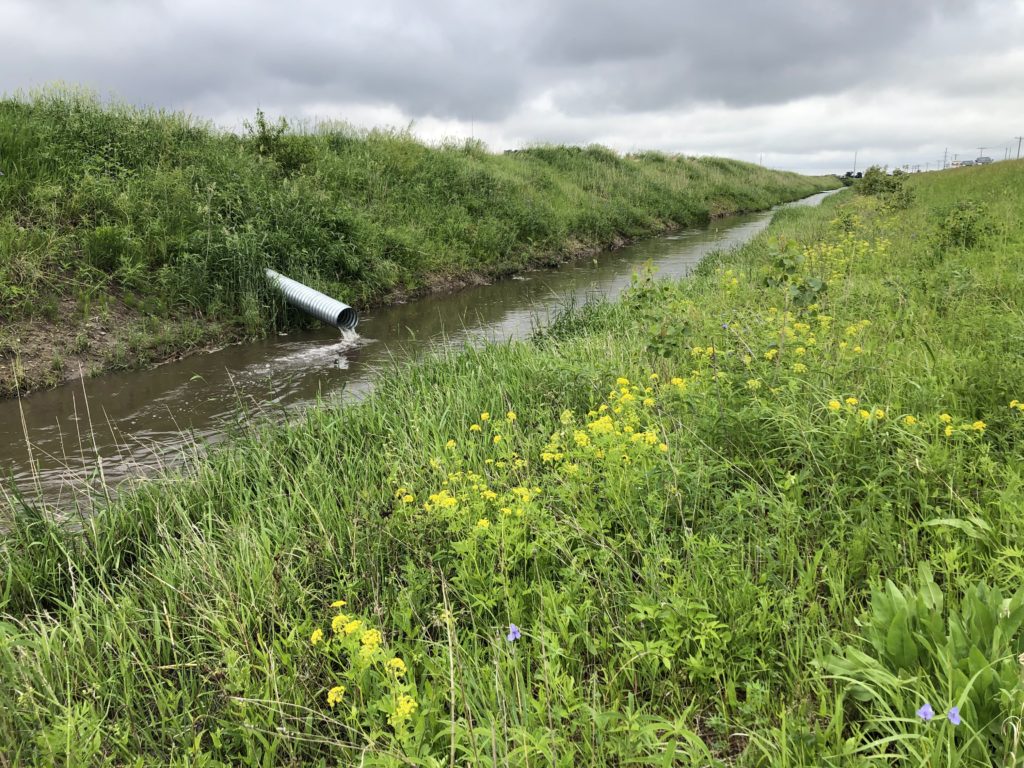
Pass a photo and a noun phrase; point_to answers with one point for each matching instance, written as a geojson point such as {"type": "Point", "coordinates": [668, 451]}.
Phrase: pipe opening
{"type": "Point", "coordinates": [347, 319]}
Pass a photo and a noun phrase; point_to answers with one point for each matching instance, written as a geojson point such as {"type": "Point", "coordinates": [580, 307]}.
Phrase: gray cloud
{"type": "Point", "coordinates": [738, 77]}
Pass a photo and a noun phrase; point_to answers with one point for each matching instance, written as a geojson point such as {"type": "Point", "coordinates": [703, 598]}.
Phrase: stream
{"type": "Point", "coordinates": [64, 446]}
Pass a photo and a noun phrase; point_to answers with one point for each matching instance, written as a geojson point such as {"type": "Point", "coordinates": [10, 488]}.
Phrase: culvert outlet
{"type": "Point", "coordinates": [319, 305]}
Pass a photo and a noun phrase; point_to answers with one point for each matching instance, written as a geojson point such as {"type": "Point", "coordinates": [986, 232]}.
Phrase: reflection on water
{"type": "Point", "coordinates": [122, 425]}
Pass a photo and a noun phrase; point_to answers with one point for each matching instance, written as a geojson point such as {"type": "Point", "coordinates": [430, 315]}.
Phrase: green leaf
{"type": "Point", "coordinates": [972, 526]}
{"type": "Point", "coordinates": [899, 642]}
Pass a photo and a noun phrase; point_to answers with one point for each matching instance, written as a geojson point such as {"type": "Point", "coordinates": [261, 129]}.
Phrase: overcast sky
{"type": "Point", "coordinates": [803, 83]}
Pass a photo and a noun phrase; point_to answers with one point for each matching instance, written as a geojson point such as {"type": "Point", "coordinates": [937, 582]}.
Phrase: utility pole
{"type": "Point", "coordinates": [981, 151]}
{"type": "Point", "coordinates": [945, 152]}
{"type": "Point", "coordinates": [855, 158]}
{"type": "Point", "coordinates": [1018, 138]}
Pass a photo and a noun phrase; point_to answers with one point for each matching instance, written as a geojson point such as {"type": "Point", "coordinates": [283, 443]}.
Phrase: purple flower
{"type": "Point", "coordinates": [954, 715]}
{"type": "Point", "coordinates": [513, 633]}
{"type": "Point", "coordinates": [926, 712]}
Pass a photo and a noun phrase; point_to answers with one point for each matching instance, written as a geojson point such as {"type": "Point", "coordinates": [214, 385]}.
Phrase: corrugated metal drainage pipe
{"type": "Point", "coordinates": [320, 306]}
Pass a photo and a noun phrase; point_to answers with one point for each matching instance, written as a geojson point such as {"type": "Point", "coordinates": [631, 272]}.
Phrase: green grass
{"type": "Point", "coordinates": [780, 569]}
{"type": "Point", "coordinates": [161, 216]}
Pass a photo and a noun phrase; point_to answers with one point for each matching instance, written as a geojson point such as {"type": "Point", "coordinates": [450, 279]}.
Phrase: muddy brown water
{"type": "Point", "coordinates": [64, 446]}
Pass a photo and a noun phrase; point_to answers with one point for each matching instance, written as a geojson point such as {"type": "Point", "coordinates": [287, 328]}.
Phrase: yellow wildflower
{"type": "Point", "coordinates": [799, 368]}
{"type": "Point", "coordinates": [483, 522]}
{"type": "Point", "coordinates": [316, 637]}
{"type": "Point", "coordinates": [443, 499]}
{"type": "Point", "coordinates": [474, 428]}
{"type": "Point", "coordinates": [335, 694]}
{"type": "Point", "coordinates": [352, 626]}
{"type": "Point", "coordinates": [485, 416]}
{"type": "Point", "coordinates": [948, 431]}
{"type": "Point", "coordinates": [864, 414]}
{"type": "Point", "coordinates": [852, 401]}
{"type": "Point", "coordinates": [753, 384]}
{"type": "Point", "coordinates": [510, 416]}
{"type": "Point", "coordinates": [909, 420]}
{"type": "Point", "coordinates": [678, 382]}
{"type": "Point", "coordinates": [879, 413]}
{"type": "Point", "coordinates": [648, 402]}
{"type": "Point", "coordinates": [371, 638]}
{"type": "Point", "coordinates": [450, 444]}
{"type": "Point", "coordinates": [397, 666]}
{"type": "Point", "coordinates": [978, 426]}
{"type": "Point", "coordinates": [945, 418]}
{"type": "Point", "coordinates": [622, 381]}
{"type": "Point", "coordinates": [338, 604]}
{"type": "Point", "coordinates": [404, 708]}
{"type": "Point", "coordinates": [489, 494]}
{"type": "Point", "coordinates": [834, 405]}
{"type": "Point", "coordinates": [770, 354]}
{"type": "Point", "coordinates": [663, 448]}
{"type": "Point", "coordinates": [653, 377]}
{"type": "Point", "coordinates": [857, 349]}
{"type": "Point", "coordinates": [338, 623]}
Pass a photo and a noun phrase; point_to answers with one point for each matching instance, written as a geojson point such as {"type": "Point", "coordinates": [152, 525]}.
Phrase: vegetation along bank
{"type": "Point", "coordinates": [128, 237]}
{"type": "Point", "coordinates": [771, 515]}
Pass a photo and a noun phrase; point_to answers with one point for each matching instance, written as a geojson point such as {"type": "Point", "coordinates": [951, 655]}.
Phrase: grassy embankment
{"type": "Point", "coordinates": [129, 236]}
{"type": "Point", "coordinates": [696, 556]}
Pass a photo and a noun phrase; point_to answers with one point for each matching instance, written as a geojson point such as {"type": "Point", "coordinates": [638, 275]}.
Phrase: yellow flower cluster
{"type": "Point", "coordinates": [849, 405]}
{"type": "Point", "coordinates": [440, 500]}
{"type": "Point", "coordinates": [369, 645]}
{"type": "Point", "coordinates": [909, 420]}
{"type": "Point", "coordinates": [618, 429]}
{"type": "Point", "coordinates": [364, 648]}
{"type": "Point", "coordinates": [403, 495]}
{"type": "Point", "coordinates": [335, 695]}
{"type": "Point", "coordinates": [404, 707]}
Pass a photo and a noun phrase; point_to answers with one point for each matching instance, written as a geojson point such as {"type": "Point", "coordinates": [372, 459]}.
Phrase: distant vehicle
{"type": "Point", "coordinates": [983, 160]}
{"type": "Point", "coordinates": [966, 163]}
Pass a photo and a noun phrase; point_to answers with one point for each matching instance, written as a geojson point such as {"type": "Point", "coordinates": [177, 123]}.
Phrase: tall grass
{"type": "Point", "coordinates": [696, 495]}
{"type": "Point", "coordinates": [179, 219]}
